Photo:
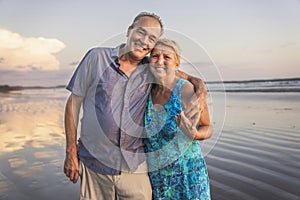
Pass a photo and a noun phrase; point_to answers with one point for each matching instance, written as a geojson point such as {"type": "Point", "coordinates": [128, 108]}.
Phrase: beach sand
{"type": "Point", "coordinates": [32, 146]}
{"type": "Point", "coordinates": [254, 156]}
{"type": "Point", "coordinates": [258, 152]}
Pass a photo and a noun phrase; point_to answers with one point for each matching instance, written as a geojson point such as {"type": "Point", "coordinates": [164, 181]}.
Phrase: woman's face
{"type": "Point", "coordinates": [163, 62]}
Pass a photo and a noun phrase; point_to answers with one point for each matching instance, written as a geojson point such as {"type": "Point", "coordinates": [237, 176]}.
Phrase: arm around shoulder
{"type": "Point", "coordinates": [199, 85]}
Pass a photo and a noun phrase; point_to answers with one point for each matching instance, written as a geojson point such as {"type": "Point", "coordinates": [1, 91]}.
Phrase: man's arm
{"type": "Point", "coordinates": [71, 121]}
{"type": "Point", "coordinates": [199, 85]}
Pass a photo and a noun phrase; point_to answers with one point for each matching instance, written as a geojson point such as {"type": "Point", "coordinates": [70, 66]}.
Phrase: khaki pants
{"type": "Point", "coordinates": [127, 186]}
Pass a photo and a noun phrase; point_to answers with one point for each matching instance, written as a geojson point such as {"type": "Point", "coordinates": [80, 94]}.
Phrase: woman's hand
{"type": "Point", "coordinates": [186, 125]}
{"type": "Point", "coordinates": [194, 120]}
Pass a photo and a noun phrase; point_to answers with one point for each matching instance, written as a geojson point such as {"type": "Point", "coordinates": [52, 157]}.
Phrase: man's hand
{"type": "Point", "coordinates": [200, 90]}
{"type": "Point", "coordinates": [71, 166]}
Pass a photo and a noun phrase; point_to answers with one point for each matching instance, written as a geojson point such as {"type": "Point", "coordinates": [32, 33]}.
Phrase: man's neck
{"type": "Point", "coordinates": [128, 66]}
{"type": "Point", "coordinates": [127, 63]}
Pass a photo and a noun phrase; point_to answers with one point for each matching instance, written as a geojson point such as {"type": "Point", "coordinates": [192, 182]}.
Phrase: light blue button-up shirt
{"type": "Point", "coordinates": [113, 111]}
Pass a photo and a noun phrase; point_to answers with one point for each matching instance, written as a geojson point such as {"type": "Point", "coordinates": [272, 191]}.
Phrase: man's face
{"type": "Point", "coordinates": [142, 37]}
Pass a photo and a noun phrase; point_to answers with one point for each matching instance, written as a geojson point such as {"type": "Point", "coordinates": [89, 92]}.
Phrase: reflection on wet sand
{"type": "Point", "coordinates": [32, 145]}
{"type": "Point", "coordinates": [36, 127]}
{"type": "Point", "coordinates": [255, 157]}
{"type": "Point", "coordinates": [17, 162]}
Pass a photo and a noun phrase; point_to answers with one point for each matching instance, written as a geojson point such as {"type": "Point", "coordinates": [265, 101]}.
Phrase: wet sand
{"type": "Point", "coordinates": [32, 146]}
{"type": "Point", "coordinates": [254, 156]}
{"type": "Point", "coordinates": [258, 152]}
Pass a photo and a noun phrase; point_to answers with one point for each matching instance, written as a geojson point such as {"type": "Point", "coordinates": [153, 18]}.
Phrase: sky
{"type": "Point", "coordinates": [42, 41]}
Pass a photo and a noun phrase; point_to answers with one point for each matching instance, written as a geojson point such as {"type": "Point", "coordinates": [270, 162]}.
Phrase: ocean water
{"type": "Point", "coordinates": [280, 85]}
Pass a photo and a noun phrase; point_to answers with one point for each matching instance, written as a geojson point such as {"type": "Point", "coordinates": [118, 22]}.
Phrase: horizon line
{"type": "Point", "coordinates": [207, 82]}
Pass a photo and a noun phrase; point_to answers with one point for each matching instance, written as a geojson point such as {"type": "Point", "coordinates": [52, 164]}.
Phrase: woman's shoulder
{"type": "Point", "coordinates": [187, 88]}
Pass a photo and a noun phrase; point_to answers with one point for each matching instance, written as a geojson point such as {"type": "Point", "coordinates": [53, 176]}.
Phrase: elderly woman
{"type": "Point", "coordinates": [176, 166]}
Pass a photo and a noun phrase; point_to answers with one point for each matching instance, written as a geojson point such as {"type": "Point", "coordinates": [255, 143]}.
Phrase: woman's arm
{"type": "Point", "coordinates": [202, 129]}
{"type": "Point", "coordinates": [199, 90]}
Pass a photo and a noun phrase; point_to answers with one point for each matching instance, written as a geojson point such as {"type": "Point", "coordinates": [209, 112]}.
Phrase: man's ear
{"type": "Point", "coordinates": [128, 30]}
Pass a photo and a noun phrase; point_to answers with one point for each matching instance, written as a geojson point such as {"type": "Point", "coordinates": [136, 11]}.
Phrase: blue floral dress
{"type": "Point", "coordinates": [177, 169]}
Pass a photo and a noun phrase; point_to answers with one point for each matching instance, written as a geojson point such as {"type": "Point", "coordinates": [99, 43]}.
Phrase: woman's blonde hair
{"type": "Point", "coordinates": [171, 44]}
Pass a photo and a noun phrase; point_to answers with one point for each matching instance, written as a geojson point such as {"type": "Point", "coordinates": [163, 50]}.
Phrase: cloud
{"type": "Point", "coordinates": [19, 53]}
{"type": "Point", "coordinates": [288, 44]}
{"type": "Point", "coordinates": [75, 63]}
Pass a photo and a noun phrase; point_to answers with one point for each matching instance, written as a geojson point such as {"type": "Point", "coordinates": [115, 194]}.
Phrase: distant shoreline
{"type": "Point", "coordinates": [8, 88]}
{"type": "Point", "coordinates": [256, 80]}
{"type": "Point", "coordinates": [257, 90]}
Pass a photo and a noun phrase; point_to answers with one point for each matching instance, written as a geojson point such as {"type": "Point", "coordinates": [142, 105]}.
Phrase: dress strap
{"type": "Point", "coordinates": [177, 87]}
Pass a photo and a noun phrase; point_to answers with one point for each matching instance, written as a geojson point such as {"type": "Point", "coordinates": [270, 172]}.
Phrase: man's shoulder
{"type": "Point", "coordinates": [100, 50]}
{"type": "Point", "coordinates": [100, 53]}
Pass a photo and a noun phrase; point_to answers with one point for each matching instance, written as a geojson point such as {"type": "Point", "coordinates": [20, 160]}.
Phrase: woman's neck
{"type": "Point", "coordinates": [161, 91]}
{"type": "Point", "coordinates": [168, 82]}
{"type": "Point", "coordinates": [165, 86]}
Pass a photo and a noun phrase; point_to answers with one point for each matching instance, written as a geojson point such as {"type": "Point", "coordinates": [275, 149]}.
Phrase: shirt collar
{"type": "Point", "coordinates": [115, 51]}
